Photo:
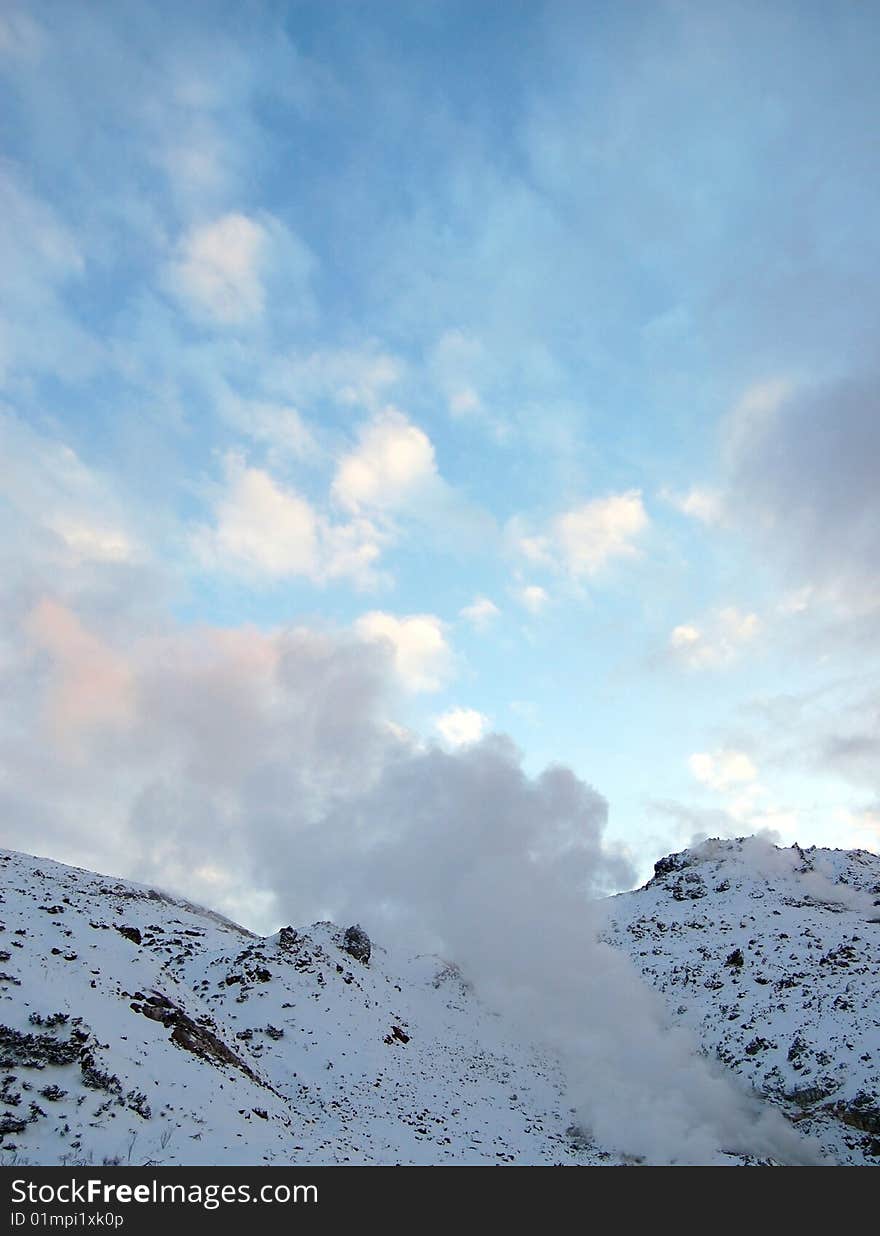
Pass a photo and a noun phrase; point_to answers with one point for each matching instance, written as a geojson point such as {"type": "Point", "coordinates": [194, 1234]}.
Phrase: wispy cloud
{"type": "Point", "coordinates": [705, 505]}
{"type": "Point", "coordinates": [481, 613]}
{"type": "Point", "coordinates": [221, 268]}
{"type": "Point", "coordinates": [532, 597]}
{"type": "Point", "coordinates": [717, 642]}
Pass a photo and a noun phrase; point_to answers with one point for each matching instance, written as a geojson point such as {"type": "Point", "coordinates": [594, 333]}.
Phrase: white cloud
{"type": "Point", "coordinates": [458, 727]}
{"type": "Point", "coordinates": [392, 464]}
{"type": "Point", "coordinates": [422, 657]}
{"type": "Point", "coordinates": [392, 476]}
{"type": "Point", "coordinates": [720, 770]}
{"type": "Point", "coordinates": [266, 530]}
{"type": "Point", "coordinates": [862, 827]}
{"type": "Point", "coordinates": [591, 535]}
{"type": "Point", "coordinates": [277, 426]}
{"type": "Point", "coordinates": [270, 528]}
{"type": "Point", "coordinates": [480, 613]}
{"type": "Point", "coordinates": [219, 269]}
{"type": "Point", "coordinates": [685, 636]}
{"type": "Point", "coordinates": [586, 538]}
{"type": "Point", "coordinates": [747, 805]}
{"type": "Point", "coordinates": [533, 597]}
{"type": "Point", "coordinates": [717, 643]}
{"type": "Point", "coordinates": [705, 505]}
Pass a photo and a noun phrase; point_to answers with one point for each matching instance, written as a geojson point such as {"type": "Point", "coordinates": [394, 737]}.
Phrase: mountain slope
{"type": "Point", "coordinates": [772, 959]}
{"type": "Point", "coordinates": [137, 1027]}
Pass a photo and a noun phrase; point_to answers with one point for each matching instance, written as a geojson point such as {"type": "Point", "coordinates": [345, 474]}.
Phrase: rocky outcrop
{"type": "Point", "coordinates": [357, 944]}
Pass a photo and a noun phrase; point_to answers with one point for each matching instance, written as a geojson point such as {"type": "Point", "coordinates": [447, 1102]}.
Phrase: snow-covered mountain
{"type": "Point", "coordinates": [771, 958]}
{"type": "Point", "coordinates": [138, 1028]}
{"type": "Point", "coordinates": [135, 1026]}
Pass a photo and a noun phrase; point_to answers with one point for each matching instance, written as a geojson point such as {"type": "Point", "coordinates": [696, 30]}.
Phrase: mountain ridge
{"type": "Point", "coordinates": [771, 958]}
{"type": "Point", "coordinates": [137, 1027]}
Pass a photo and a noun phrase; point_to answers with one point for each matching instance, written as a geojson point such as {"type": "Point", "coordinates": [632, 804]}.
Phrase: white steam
{"type": "Point", "coordinates": [258, 773]}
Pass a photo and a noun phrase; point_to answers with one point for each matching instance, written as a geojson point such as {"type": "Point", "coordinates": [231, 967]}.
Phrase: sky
{"type": "Point", "coordinates": [435, 416]}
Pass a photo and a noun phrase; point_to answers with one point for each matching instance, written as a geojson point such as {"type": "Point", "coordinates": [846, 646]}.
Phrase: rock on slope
{"type": "Point", "coordinates": [772, 958]}
{"type": "Point", "coordinates": [137, 1028]}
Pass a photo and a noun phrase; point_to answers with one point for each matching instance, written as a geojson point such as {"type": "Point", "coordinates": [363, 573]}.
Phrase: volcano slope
{"type": "Point", "coordinates": [771, 958]}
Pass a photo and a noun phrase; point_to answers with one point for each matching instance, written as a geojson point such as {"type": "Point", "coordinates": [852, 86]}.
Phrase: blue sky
{"type": "Point", "coordinates": [529, 350]}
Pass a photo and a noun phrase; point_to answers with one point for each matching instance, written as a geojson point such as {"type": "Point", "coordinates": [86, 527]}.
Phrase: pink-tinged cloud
{"type": "Point", "coordinates": [91, 685]}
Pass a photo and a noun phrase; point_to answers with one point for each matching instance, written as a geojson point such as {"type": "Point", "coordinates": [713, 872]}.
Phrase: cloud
{"type": "Point", "coordinates": [356, 376]}
{"type": "Point", "coordinates": [93, 684]}
{"type": "Point", "coordinates": [41, 258]}
{"type": "Point", "coordinates": [584, 540]}
{"type": "Point", "coordinates": [480, 613]}
{"type": "Point", "coordinates": [722, 769]}
{"type": "Point", "coordinates": [48, 493]}
{"type": "Point", "coordinates": [88, 541]}
{"type": "Point", "coordinates": [391, 466]}
{"type": "Point", "coordinates": [219, 269]}
{"type": "Point", "coordinates": [258, 770]}
{"type": "Point", "coordinates": [458, 727]}
{"type": "Point", "coordinates": [267, 531]}
{"type": "Point", "coordinates": [716, 644]}
{"type": "Point", "coordinates": [422, 657]}
{"type": "Point", "coordinates": [455, 363]}
{"type": "Point", "coordinates": [597, 532]}
{"type": "Point", "coordinates": [705, 505]}
{"type": "Point", "coordinates": [532, 597]}
{"type": "Point", "coordinates": [801, 466]}
{"type": "Point", "coordinates": [223, 270]}
{"type": "Point", "coordinates": [748, 805]}
{"type": "Point", "coordinates": [392, 476]}
{"type": "Point", "coordinates": [277, 426]}
{"type": "Point", "coordinates": [266, 527]}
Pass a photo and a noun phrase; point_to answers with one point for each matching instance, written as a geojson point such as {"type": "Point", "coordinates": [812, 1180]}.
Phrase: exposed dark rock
{"type": "Point", "coordinates": [672, 862]}
{"type": "Point", "coordinates": [356, 943]}
{"type": "Point", "coordinates": [862, 1113]}
{"type": "Point", "coordinates": [186, 1033]}
{"type": "Point", "coordinates": [130, 933]}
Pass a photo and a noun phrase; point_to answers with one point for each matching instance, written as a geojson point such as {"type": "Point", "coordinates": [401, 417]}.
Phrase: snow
{"type": "Point", "coordinates": [394, 1061]}
{"type": "Point", "coordinates": [799, 1018]}
{"type": "Point", "coordinates": [185, 1039]}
